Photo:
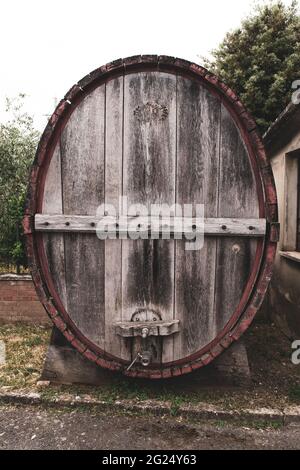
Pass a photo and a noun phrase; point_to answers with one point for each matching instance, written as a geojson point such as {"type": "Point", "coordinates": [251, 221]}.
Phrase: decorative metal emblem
{"type": "Point", "coordinates": [151, 112]}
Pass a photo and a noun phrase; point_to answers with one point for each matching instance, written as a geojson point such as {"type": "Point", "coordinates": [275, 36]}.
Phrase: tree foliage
{"type": "Point", "coordinates": [261, 59]}
{"type": "Point", "coordinates": [18, 141]}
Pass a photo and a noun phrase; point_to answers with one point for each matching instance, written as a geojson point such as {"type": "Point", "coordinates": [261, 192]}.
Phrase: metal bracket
{"type": "Point", "coordinates": [146, 322]}
{"type": "Point", "coordinates": [129, 329]}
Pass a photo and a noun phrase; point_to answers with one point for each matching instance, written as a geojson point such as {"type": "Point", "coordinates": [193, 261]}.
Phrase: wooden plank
{"type": "Point", "coordinates": [298, 213]}
{"type": "Point", "coordinates": [237, 198]}
{"type": "Point", "coordinates": [54, 242]}
{"type": "Point", "coordinates": [113, 190]}
{"type": "Point", "coordinates": [198, 127]}
{"type": "Point", "coordinates": [152, 226]}
{"type": "Point", "coordinates": [290, 205]}
{"type": "Point", "coordinates": [292, 255]}
{"type": "Point", "coordinates": [82, 154]}
{"type": "Point", "coordinates": [149, 177]}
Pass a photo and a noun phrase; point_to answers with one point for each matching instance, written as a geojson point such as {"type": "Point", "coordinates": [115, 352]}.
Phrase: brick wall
{"type": "Point", "coordinates": [19, 302]}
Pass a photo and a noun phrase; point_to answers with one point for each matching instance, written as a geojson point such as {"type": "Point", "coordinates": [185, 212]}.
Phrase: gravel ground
{"type": "Point", "coordinates": [31, 427]}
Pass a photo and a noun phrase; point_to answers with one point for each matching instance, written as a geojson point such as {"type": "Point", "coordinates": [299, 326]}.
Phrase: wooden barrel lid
{"type": "Point", "coordinates": [156, 130]}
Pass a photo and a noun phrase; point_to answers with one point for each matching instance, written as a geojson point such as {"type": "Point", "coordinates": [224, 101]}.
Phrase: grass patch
{"type": "Point", "coordinates": [221, 423]}
{"type": "Point", "coordinates": [263, 424]}
{"type": "Point", "coordinates": [275, 380]}
{"type": "Point", "coordinates": [176, 402]}
{"type": "Point", "coordinates": [25, 350]}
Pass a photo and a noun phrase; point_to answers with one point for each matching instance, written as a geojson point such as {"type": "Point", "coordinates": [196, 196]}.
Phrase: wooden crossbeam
{"type": "Point", "coordinates": [185, 226]}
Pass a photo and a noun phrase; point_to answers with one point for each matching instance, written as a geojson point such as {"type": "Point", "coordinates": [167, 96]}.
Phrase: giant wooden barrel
{"type": "Point", "coordinates": [156, 130]}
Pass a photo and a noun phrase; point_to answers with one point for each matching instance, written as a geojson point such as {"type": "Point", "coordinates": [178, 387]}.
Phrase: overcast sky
{"type": "Point", "coordinates": [48, 46]}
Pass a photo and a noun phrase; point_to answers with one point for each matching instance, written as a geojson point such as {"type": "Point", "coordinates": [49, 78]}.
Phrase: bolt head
{"type": "Point", "coordinates": [145, 332]}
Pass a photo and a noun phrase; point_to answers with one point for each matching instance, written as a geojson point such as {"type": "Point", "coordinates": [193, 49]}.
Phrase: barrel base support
{"type": "Point", "coordinates": [65, 365]}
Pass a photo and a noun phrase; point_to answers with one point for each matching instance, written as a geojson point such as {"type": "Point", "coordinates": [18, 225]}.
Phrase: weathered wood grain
{"type": "Point", "coordinates": [149, 177]}
{"type": "Point", "coordinates": [158, 138]}
{"type": "Point", "coordinates": [298, 215]}
{"type": "Point", "coordinates": [113, 190]}
{"type": "Point", "coordinates": [54, 242]}
{"type": "Point", "coordinates": [291, 202]}
{"type": "Point", "coordinates": [151, 226]}
{"type": "Point", "coordinates": [237, 197]}
{"type": "Point", "coordinates": [198, 128]}
{"type": "Point", "coordinates": [82, 154]}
